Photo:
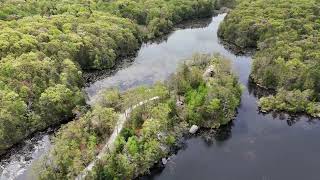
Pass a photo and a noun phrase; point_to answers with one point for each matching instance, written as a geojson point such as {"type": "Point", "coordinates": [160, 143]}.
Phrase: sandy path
{"type": "Point", "coordinates": [110, 143]}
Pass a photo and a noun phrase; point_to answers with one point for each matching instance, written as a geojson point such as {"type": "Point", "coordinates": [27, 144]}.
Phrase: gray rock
{"type": "Point", "coordinates": [193, 129]}
{"type": "Point", "coordinates": [179, 103]}
{"type": "Point", "coordinates": [209, 72]}
{"type": "Point", "coordinates": [164, 161]}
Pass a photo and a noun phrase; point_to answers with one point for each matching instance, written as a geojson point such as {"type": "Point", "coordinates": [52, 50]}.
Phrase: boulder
{"type": "Point", "coordinates": [209, 72]}
{"type": "Point", "coordinates": [193, 129]}
{"type": "Point", "coordinates": [179, 103]}
{"type": "Point", "coordinates": [164, 161]}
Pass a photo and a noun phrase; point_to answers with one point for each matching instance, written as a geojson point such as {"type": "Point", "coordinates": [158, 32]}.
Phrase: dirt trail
{"type": "Point", "coordinates": [110, 143]}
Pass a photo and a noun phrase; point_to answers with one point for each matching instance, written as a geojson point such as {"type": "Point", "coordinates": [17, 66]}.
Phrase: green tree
{"type": "Point", "coordinates": [58, 101]}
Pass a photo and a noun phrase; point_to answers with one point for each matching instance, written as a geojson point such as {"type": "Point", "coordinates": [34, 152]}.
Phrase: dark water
{"type": "Point", "coordinates": [156, 61]}
{"type": "Point", "coordinates": [256, 147]}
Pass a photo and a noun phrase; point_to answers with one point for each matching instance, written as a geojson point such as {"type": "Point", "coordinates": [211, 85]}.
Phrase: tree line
{"type": "Point", "coordinates": [46, 45]}
{"type": "Point", "coordinates": [286, 35]}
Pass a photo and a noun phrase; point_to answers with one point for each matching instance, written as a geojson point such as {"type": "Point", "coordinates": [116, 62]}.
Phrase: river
{"type": "Point", "coordinates": [256, 146]}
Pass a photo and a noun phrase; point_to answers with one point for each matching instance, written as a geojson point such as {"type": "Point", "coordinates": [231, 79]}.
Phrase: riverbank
{"type": "Point", "coordinates": [170, 68]}
{"type": "Point", "coordinates": [154, 130]}
{"type": "Point", "coordinates": [208, 135]}
{"type": "Point", "coordinates": [57, 47]}
{"type": "Point", "coordinates": [124, 62]}
{"type": "Point", "coordinates": [242, 153]}
{"type": "Point", "coordinates": [286, 59]}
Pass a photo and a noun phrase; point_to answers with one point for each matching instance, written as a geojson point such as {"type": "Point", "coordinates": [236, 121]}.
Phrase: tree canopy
{"type": "Point", "coordinates": [286, 34]}
{"type": "Point", "coordinates": [46, 45]}
{"type": "Point", "coordinates": [152, 129]}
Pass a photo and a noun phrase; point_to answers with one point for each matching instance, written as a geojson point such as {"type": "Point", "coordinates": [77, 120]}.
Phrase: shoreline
{"type": "Point", "coordinates": [93, 76]}
{"type": "Point", "coordinates": [208, 135]}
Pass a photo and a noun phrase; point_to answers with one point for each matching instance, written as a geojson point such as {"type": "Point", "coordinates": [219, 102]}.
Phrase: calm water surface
{"type": "Point", "coordinates": [256, 147]}
{"type": "Point", "coordinates": [156, 61]}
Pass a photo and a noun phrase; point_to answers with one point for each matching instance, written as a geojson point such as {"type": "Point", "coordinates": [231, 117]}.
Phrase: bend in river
{"type": "Point", "coordinates": [157, 61]}
{"type": "Point", "coordinates": [256, 146]}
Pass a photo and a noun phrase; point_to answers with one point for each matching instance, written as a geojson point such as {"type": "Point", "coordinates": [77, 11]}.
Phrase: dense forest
{"type": "Point", "coordinates": [203, 92]}
{"type": "Point", "coordinates": [286, 34]}
{"type": "Point", "coordinates": [46, 45]}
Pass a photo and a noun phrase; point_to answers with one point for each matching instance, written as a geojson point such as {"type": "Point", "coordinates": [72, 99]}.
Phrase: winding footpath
{"type": "Point", "coordinates": [109, 146]}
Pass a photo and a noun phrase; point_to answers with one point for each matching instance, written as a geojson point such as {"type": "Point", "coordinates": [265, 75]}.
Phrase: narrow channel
{"type": "Point", "coordinates": [248, 150]}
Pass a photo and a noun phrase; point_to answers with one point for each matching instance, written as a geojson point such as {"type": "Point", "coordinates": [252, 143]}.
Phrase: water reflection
{"type": "Point", "coordinates": [273, 146]}
{"type": "Point", "coordinates": [258, 91]}
{"type": "Point", "coordinates": [156, 61]}
{"type": "Point", "coordinates": [211, 136]}
{"type": "Point", "coordinates": [256, 146]}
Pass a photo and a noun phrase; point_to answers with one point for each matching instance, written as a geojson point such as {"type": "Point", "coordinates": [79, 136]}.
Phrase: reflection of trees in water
{"type": "Point", "coordinates": [290, 119]}
{"type": "Point", "coordinates": [217, 135]}
{"type": "Point", "coordinates": [258, 91]}
{"type": "Point", "coordinates": [195, 24]}
{"type": "Point", "coordinates": [282, 116]}
{"type": "Point", "coordinates": [91, 76]}
{"type": "Point", "coordinates": [191, 24]}
{"type": "Point", "coordinates": [95, 75]}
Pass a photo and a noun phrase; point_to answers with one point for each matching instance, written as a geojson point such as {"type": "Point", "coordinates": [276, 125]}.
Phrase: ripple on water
{"type": "Point", "coordinates": [16, 164]}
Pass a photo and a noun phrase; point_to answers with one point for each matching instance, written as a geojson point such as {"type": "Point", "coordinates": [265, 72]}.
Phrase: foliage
{"type": "Point", "coordinates": [45, 45]}
{"type": "Point", "coordinates": [292, 101]}
{"type": "Point", "coordinates": [30, 80]}
{"type": "Point", "coordinates": [12, 119]}
{"type": "Point", "coordinates": [209, 101]}
{"type": "Point", "coordinates": [122, 101]}
{"type": "Point", "coordinates": [158, 16]}
{"type": "Point", "coordinates": [138, 151]}
{"type": "Point", "coordinates": [58, 101]}
{"type": "Point", "coordinates": [225, 3]}
{"type": "Point", "coordinates": [152, 129]}
{"type": "Point", "coordinates": [77, 144]}
{"type": "Point", "coordinates": [287, 35]}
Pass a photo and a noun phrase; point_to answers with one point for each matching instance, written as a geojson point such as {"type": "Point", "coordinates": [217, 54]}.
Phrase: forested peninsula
{"type": "Point", "coordinates": [45, 46]}
{"type": "Point", "coordinates": [203, 92]}
{"type": "Point", "coordinates": [286, 35]}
